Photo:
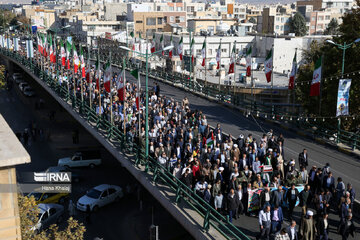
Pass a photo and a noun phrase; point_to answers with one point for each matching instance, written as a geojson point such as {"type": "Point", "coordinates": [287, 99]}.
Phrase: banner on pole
{"type": "Point", "coordinates": [29, 49]}
{"type": "Point", "coordinates": [342, 107]}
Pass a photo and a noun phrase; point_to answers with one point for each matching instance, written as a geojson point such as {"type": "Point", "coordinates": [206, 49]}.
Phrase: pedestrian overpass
{"type": "Point", "coordinates": [199, 218]}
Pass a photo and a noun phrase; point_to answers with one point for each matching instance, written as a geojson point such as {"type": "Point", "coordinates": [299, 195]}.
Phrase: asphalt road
{"type": "Point", "coordinates": [123, 220]}
{"type": "Point", "coordinates": [236, 123]}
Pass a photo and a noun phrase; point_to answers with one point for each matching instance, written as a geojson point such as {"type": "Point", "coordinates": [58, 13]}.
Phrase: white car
{"type": "Point", "coordinates": [82, 159]}
{"type": "Point", "coordinates": [49, 214]}
{"type": "Point", "coordinates": [99, 196]}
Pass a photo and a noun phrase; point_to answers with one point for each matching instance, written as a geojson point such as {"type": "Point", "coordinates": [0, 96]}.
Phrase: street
{"type": "Point", "coordinates": [123, 220]}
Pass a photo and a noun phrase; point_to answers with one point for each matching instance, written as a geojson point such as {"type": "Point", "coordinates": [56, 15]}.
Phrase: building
{"type": "Point", "coordinates": [12, 153]}
{"type": "Point", "coordinates": [43, 18]}
{"type": "Point", "coordinates": [276, 20]}
{"type": "Point", "coordinates": [319, 20]}
{"type": "Point", "coordinates": [342, 5]}
{"type": "Point", "coordinates": [208, 24]}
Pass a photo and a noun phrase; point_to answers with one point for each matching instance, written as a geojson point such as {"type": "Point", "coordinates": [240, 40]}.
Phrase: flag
{"type": "Point", "coordinates": [218, 57]}
{"type": "Point", "coordinates": [192, 50]}
{"type": "Point", "coordinates": [293, 73]}
{"type": "Point", "coordinates": [39, 43]}
{"type": "Point", "coordinates": [153, 44]}
{"type": "Point", "coordinates": [180, 48]}
{"type": "Point", "coordinates": [140, 41]}
{"type": "Point", "coordinates": [29, 49]}
{"type": "Point", "coordinates": [107, 77]}
{"type": "Point", "coordinates": [133, 40]}
{"type": "Point", "coordinates": [316, 81]}
{"type": "Point", "coordinates": [98, 72]}
{"type": "Point", "coordinates": [232, 61]}
{"type": "Point", "coordinates": [16, 44]}
{"type": "Point", "coordinates": [68, 51]}
{"type": "Point", "coordinates": [120, 82]}
{"type": "Point", "coordinates": [45, 45]}
{"type": "Point", "coordinates": [162, 44]}
{"type": "Point", "coordinates": [54, 50]}
{"type": "Point", "coordinates": [63, 54]}
{"type": "Point", "coordinates": [268, 66]}
{"type": "Point", "coordinates": [76, 59]}
{"type": "Point", "coordinates": [51, 50]}
{"type": "Point", "coordinates": [248, 62]}
{"type": "Point", "coordinates": [135, 73]}
{"type": "Point", "coordinates": [171, 50]}
{"type": "Point", "coordinates": [210, 141]}
{"type": "Point", "coordinates": [82, 62]}
{"type": "Point", "coordinates": [203, 54]}
{"type": "Point", "coordinates": [342, 107]}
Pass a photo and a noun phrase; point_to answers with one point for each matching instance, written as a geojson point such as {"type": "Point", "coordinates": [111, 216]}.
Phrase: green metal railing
{"type": "Point", "coordinates": [160, 174]}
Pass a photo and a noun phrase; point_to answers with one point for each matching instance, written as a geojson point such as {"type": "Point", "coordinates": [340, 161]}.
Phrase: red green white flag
{"type": "Point", "coordinates": [82, 62]}
{"type": "Point", "coordinates": [107, 77]}
{"type": "Point", "coordinates": [171, 50]}
{"type": "Point", "coordinates": [269, 65]}
{"type": "Point", "coordinates": [68, 51]}
{"type": "Point", "coordinates": [293, 73]}
{"type": "Point", "coordinates": [153, 44]}
{"type": "Point", "coordinates": [316, 81]}
{"type": "Point", "coordinates": [192, 45]}
{"type": "Point", "coordinates": [203, 54]}
{"type": "Point", "coordinates": [162, 44]}
{"type": "Point", "coordinates": [218, 56]}
{"type": "Point", "coordinates": [248, 62]}
{"type": "Point", "coordinates": [76, 59]}
{"type": "Point", "coordinates": [180, 48]}
{"type": "Point", "coordinates": [232, 61]}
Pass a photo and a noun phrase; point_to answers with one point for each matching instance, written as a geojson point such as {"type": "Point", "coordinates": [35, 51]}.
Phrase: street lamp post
{"type": "Point", "coordinates": [343, 47]}
{"type": "Point", "coordinates": [147, 56]}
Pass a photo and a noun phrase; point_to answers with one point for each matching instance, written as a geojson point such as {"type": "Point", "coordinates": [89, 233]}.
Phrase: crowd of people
{"type": "Point", "coordinates": [223, 168]}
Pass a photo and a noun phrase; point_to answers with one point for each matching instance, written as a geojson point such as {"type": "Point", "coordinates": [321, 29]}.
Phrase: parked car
{"type": "Point", "coordinates": [49, 197]}
{"type": "Point", "coordinates": [23, 85]}
{"type": "Point", "coordinates": [49, 214]}
{"type": "Point", "coordinates": [82, 159]}
{"type": "Point", "coordinates": [100, 196]}
{"type": "Point", "coordinates": [28, 91]}
{"type": "Point", "coordinates": [74, 176]}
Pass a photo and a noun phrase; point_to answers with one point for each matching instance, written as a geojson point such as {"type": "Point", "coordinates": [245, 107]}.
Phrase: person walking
{"type": "Point", "coordinates": [231, 204]}
{"type": "Point", "coordinates": [308, 230]}
{"type": "Point", "coordinates": [347, 228]}
{"type": "Point", "coordinates": [265, 224]}
{"type": "Point", "coordinates": [291, 196]}
{"type": "Point", "coordinates": [276, 219]}
{"type": "Point", "coordinates": [322, 227]}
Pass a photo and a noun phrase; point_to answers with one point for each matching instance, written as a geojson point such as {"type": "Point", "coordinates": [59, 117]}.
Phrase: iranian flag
{"type": "Point", "coordinates": [218, 57]}
{"type": "Point", "coordinates": [180, 48]}
{"type": "Point", "coordinates": [269, 65]}
{"type": "Point", "coordinates": [107, 77]}
{"type": "Point", "coordinates": [293, 73]}
{"type": "Point", "coordinates": [232, 61]}
{"type": "Point", "coordinates": [44, 46]}
{"type": "Point", "coordinates": [135, 73]}
{"type": "Point", "coordinates": [203, 54]}
{"type": "Point", "coordinates": [98, 72]}
{"type": "Point", "coordinates": [51, 50]}
{"type": "Point", "coordinates": [171, 50]}
{"type": "Point", "coordinates": [68, 51]}
{"type": "Point", "coordinates": [82, 62]}
{"type": "Point", "coordinates": [162, 43]}
{"type": "Point", "coordinates": [140, 41]}
{"type": "Point", "coordinates": [248, 62]}
{"type": "Point", "coordinates": [192, 44]}
{"type": "Point", "coordinates": [133, 40]}
{"type": "Point", "coordinates": [121, 86]}
{"type": "Point", "coordinates": [316, 81]}
{"type": "Point", "coordinates": [153, 44]}
{"type": "Point", "coordinates": [39, 43]}
{"type": "Point", "coordinates": [76, 59]}
{"type": "Point", "coordinates": [63, 54]}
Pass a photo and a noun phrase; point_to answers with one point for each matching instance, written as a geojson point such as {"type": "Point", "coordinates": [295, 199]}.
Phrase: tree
{"type": "Point", "coordinates": [298, 25]}
{"type": "Point", "coordinates": [349, 30]}
{"type": "Point", "coordinates": [28, 212]}
{"type": "Point", "coordinates": [332, 28]}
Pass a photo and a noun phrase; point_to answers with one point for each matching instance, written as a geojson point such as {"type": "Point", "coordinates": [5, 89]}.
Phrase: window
{"type": "Point", "coordinates": [158, 8]}
{"type": "Point", "coordinates": [182, 19]}
{"type": "Point", "coordinates": [139, 21]}
{"type": "Point", "coordinates": [111, 191]}
{"type": "Point", "coordinates": [165, 19]}
{"type": "Point", "coordinates": [198, 52]}
{"type": "Point", "coordinates": [171, 9]}
{"type": "Point", "coordinates": [321, 18]}
{"type": "Point", "coordinates": [277, 19]}
{"type": "Point", "coordinates": [313, 19]}
{"type": "Point", "coordinates": [320, 26]}
{"type": "Point", "coordinates": [104, 194]}
{"type": "Point", "coordinates": [160, 20]}
{"type": "Point", "coordinates": [223, 50]}
{"type": "Point", "coordinates": [159, 29]}
{"type": "Point", "coordinates": [150, 21]}
{"type": "Point", "coordinates": [179, 9]}
{"type": "Point", "coordinates": [277, 27]}
{"type": "Point", "coordinates": [312, 27]}
{"type": "Point", "coordinates": [327, 17]}
{"type": "Point", "coordinates": [282, 19]}
{"type": "Point", "coordinates": [209, 52]}
{"type": "Point", "coordinates": [236, 10]}
{"type": "Point", "coordinates": [282, 28]}
{"type": "Point", "coordinates": [172, 19]}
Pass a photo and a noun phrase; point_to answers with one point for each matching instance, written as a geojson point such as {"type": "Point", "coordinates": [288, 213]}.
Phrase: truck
{"type": "Point", "coordinates": [82, 159]}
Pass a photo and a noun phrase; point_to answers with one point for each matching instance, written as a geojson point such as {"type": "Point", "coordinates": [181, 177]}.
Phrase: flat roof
{"type": "Point", "coordinates": [12, 152]}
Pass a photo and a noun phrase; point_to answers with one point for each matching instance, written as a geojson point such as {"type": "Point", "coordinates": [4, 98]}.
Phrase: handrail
{"type": "Point", "coordinates": [211, 216]}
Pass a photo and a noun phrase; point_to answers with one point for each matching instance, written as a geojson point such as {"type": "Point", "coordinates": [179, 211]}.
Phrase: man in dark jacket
{"type": "Point", "coordinates": [291, 197]}
{"type": "Point", "coordinates": [323, 226]}
{"type": "Point", "coordinates": [277, 197]}
{"type": "Point", "coordinates": [303, 158]}
{"type": "Point", "coordinates": [347, 228]}
{"type": "Point", "coordinates": [231, 204]}
{"type": "Point", "coordinates": [292, 231]}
